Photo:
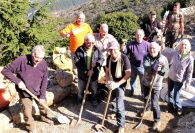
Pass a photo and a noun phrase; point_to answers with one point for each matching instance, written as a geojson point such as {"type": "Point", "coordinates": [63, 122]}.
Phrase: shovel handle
{"type": "Point", "coordinates": [84, 97]}
{"type": "Point", "coordinates": [149, 96]}
{"type": "Point", "coordinates": [45, 106]}
{"type": "Point", "coordinates": [107, 103]}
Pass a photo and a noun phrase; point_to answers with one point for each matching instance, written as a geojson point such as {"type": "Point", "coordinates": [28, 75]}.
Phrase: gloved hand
{"type": "Point", "coordinates": [112, 85]}
{"type": "Point", "coordinates": [21, 85]}
{"type": "Point", "coordinates": [157, 66]}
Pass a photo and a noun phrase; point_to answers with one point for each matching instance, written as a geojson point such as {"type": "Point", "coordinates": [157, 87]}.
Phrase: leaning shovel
{"type": "Point", "coordinates": [149, 96]}
{"type": "Point", "coordinates": [60, 118]}
{"type": "Point", "coordinates": [74, 122]}
{"type": "Point", "coordinates": [101, 126]}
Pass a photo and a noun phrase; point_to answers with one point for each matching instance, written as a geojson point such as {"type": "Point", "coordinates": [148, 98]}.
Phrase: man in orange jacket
{"type": "Point", "coordinates": [76, 32]}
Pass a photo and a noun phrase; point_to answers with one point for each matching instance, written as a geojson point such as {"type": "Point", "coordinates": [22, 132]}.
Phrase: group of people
{"type": "Point", "coordinates": [91, 52]}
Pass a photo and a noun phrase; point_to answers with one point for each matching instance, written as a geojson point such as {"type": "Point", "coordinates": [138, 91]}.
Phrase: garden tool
{"type": "Point", "coordinates": [60, 118]}
{"type": "Point", "coordinates": [86, 92]}
{"type": "Point", "coordinates": [101, 126]}
{"type": "Point", "coordinates": [149, 96]}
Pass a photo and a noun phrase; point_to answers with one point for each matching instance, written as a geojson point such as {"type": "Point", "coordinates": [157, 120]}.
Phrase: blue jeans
{"type": "Point", "coordinates": [117, 101]}
{"type": "Point", "coordinates": [174, 89]}
{"type": "Point", "coordinates": [134, 72]}
{"type": "Point", "coordinates": [82, 86]}
{"type": "Point", "coordinates": [153, 101]}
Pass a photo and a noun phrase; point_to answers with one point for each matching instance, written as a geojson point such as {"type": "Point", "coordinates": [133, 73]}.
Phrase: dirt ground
{"type": "Point", "coordinates": [92, 116]}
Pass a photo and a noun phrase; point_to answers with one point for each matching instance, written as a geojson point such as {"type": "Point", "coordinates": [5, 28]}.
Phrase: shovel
{"type": "Point", "coordinates": [101, 126]}
{"type": "Point", "coordinates": [149, 96]}
{"type": "Point", "coordinates": [74, 122]}
{"type": "Point", "coordinates": [60, 118]}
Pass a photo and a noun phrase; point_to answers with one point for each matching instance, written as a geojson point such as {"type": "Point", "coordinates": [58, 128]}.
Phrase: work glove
{"type": "Point", "coordinates": [21, 85]}
{"type": "Point", "coordinates": [112, 85]}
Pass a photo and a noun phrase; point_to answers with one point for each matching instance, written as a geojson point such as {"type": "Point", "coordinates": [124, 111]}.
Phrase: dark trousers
{"type": "Point", "coordinates": [174, 90]}
{"type": "Point", "coordinates": [153, 103]}
{"type": "Point", "coordinates": [117, 103]}
{"type": "Point", "coordinates": [170, 38]}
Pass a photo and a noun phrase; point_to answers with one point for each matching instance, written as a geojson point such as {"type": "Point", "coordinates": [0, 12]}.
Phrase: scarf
{"type": "Point", "coordinates": [118, 71]}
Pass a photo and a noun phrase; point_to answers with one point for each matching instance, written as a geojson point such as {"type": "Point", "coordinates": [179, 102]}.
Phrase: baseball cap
{"type": "Point", "coordinates": [113, 45]}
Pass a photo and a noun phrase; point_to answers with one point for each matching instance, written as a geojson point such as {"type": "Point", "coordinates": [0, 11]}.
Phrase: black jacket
{"type": "Point", "coordinates": [81, 62]}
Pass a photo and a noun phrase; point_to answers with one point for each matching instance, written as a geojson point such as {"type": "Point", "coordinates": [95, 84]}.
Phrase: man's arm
{"type": "Point", "coordinates": [11, 70]}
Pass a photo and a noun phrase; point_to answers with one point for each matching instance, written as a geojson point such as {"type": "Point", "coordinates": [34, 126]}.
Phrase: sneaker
{"type": "Point", "coordinates": [121, 130]}
{"type": "Point", "coordinates": [156, 126]}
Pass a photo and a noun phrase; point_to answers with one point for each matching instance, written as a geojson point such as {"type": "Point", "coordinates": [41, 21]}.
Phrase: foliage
{"type": "Point", "coordinates": [122, 25]}
{"type": "Point", "coordinates": [19, 32]}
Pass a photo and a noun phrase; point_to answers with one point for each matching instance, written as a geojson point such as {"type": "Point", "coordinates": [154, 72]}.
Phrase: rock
{"type": "Point", "coordinates": [55, 94]}
{"type": "Point", "coordinates": [64, 78]}
{"type": "Point", "coordinates": [186, 124]}
{"type": "Point", "coordinates": [16, 113]}
{"type": "Point", "coordinates": [74, 88]}
{"type": "Point", "coordinates": [5, 119]}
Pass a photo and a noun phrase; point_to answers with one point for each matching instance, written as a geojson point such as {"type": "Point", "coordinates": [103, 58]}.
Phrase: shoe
{"type": "Point", "coordinates": [47, 120]}
{"type": "Point", "coordinates": [156, 126]}
{"type": "Point", "coordinates": [131, 93]}
{"type": "Point", "coordinates": [121, 130]}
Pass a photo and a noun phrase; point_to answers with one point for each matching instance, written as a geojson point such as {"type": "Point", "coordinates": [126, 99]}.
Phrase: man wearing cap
{"type": "Point", "coordinates": [88, 60]}
{"type": "Point", "coordinates": [174, 25]}
{"type": "Point", "coordinates": [151, 27]}
{"type": "Point", "coordinates": [136, 51]}
{"type": "Point", "coordinates": [117, 72]}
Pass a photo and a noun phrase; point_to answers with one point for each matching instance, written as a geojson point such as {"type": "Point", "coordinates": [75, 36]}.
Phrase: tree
{"type": "Point", "coordinates": [19, 32]}
{"type": "Point", "coordinates": [122, 25]}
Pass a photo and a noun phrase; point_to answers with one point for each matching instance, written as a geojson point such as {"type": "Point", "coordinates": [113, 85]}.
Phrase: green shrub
{"type": "Point", "coordinates": [122, 25]}
{"type": "Point", "coordinates": [19, 33]}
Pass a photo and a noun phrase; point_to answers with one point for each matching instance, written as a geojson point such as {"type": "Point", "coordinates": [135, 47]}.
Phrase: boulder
{"type": "Point", "coordinates": [74, 88]}
{"type": "Point", "coordinates": [64, 78]}
{"type": "Point", "coordinates": [55, 94]}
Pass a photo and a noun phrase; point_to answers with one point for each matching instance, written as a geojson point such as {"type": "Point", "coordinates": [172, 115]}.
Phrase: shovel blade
{"type": "Point", "coordinates": [62, 119]}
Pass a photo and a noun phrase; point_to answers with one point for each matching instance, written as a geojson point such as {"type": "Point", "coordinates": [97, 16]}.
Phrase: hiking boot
{"type": "Point", "coordinates": [47, 119]}
{"type": "Point", "coordinates": [121, 130]}
{"type": "Point", "coordinates": [156, 126]}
